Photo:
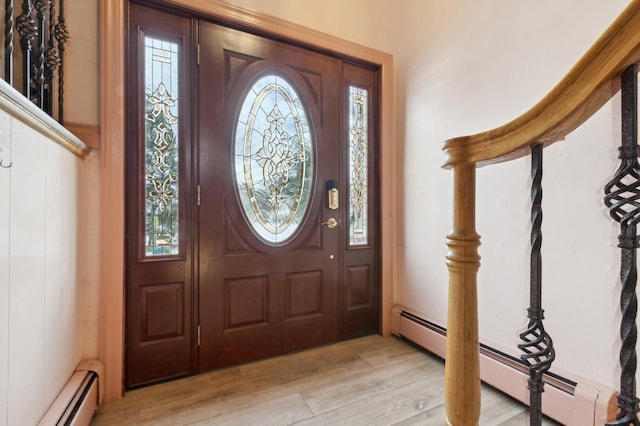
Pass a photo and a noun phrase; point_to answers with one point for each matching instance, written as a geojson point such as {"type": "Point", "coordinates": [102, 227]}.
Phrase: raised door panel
{"type": "Point", "coordinates": [303, 295]}
{"type": "Point", "coordinates": [358, 287]}
{"type": "Point", "coordinates": [246, 302]}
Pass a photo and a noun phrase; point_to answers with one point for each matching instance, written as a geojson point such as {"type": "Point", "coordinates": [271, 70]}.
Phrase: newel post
{"type": "Point", "coordinates": [462, 368]}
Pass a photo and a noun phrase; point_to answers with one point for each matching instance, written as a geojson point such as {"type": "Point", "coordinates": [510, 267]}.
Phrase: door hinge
{"type": "Point", "coordinates": [198, 54]}
{"type": "Point", "coordinates": [198, 195]}
{"type": "Point", "coordinates": [198, 334]}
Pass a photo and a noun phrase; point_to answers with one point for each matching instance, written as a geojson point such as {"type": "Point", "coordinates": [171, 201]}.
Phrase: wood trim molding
{"type": "Point", "coordinates": [85, 132]}
{"type": "Point", "coordinates": [590, 84]}
{"type": "Point", "coordinates": [111, 322]}
{"type": "Point", "coordinates": [275, 26]}
{"type": "Point", "coordinates": [16, 105]}
{"type": "Point", "coordinates": [112, 54]}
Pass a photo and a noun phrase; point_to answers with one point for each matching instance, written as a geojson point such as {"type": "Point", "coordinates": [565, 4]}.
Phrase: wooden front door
{"type": "Point", "coordinates": [269, 143]}
{"type": "Point", "coordinates": [252, 219]}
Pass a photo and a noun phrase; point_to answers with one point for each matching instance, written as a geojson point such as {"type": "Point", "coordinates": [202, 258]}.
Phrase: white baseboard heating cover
{"type": "Point", "coordinates": [78, 400]}
{"type": "Point", "coordinates": [573, 402]}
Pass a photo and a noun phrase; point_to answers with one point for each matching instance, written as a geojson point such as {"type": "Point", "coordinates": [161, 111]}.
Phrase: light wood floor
{"type": "Point", "coordinates": [372, 380]}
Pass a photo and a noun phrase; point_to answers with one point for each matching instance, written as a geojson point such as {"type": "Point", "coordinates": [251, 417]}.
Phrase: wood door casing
{"type": "Point", "coordinates": [259, 299]}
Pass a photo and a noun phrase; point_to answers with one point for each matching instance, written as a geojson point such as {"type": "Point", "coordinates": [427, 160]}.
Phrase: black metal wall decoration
{"type": "Point", "coordinates": [538, 346]}
{"type": "Point", "coordinates": [622, 197]}
{"type": "Point", "coordinates": [42, 41]}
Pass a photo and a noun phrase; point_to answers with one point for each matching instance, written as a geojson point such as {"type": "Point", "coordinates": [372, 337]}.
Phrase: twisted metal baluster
{"type": "Point", "coordinates": [27, 29]}
{"type": "Point", "coordinates": [538, 346]}
{"type": "Point", "coordinates": [622, 197]}
{"type": "Point", "coordinates": [8, 42]}
{"type": "Point", "coordinates": [62, 36]}
{"type": "Point", "coordinates": [39, 71]}
{"type": "Point", "coordinates": [52, 60]}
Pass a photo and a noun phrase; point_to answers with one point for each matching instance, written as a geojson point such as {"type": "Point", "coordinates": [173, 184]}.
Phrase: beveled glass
{"type": "Point", "coordinates": [161, 154]}
{"type": "Point", "coordinates": [358, 165]}
{"type": "Point", "coordinates": [274, 159]}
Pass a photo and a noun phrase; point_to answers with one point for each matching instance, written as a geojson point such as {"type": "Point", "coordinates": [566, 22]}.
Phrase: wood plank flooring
{"type": "Point", "coordinates": [372, 380]}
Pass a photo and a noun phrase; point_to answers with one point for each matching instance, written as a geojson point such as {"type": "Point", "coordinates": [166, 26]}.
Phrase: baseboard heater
{"type": "Point", "coordinates": [78, 400]}
{"type": "Point", "coordinates": [568, 401]}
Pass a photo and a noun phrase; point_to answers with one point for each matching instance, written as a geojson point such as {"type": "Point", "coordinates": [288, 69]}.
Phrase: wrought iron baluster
{"type": "Point", "coordinates": [39, 71]}
{"type": "Point", "coordinates": [8, 42]}
{"type": "Point", "coordinates": [538, 346]}
{"type": "Point", "coordinates": [43, 42]}
{"type": "Point", "coordinates": [622, 197]}
{"type": "Point", "coordinates": [52, 60]}
{"type": "Point", "coordinates": [27, 29]}
{"type": "Point", "coordinates": [62, 35]}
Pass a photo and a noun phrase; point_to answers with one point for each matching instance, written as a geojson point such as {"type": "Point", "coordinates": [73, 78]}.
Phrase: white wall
{"type": "Point", "coordinates": [469, 66]}
{"type": "Point", "coordinates": [81, 63]}
{"type": "Point", "coordinates": [42, 271]}
{"type": "Point", "coordinates": [366, 22]}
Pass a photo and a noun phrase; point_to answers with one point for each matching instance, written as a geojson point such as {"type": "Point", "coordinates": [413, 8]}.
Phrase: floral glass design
{"type": "Point", "coordinates": [358, 154]}
{"type": "Point", "coordinates": [161, 159]}
{"type": "Point", "coordinates": [273, 159]}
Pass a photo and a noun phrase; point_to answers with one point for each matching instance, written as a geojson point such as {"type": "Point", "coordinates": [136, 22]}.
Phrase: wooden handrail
{"type": "Point", "coordinates": [588, 86]}
{"type": "Point", "coordinates": [16, 105]}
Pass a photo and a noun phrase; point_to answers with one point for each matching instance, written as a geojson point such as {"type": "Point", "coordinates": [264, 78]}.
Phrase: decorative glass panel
{"type": "Point", "coordinates": [273, 159]}
{"type": "Point", "coordinates": [358, 154]}
{"type": "Point", "coordinates": [161, 162]}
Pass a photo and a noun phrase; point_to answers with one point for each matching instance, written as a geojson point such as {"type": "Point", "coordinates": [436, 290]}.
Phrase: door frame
{"type": "Point", "coordinates": [112, 147]}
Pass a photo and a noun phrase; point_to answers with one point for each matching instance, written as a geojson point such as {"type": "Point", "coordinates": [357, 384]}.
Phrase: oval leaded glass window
{"type": "Point", "coordinates": [273, 158]}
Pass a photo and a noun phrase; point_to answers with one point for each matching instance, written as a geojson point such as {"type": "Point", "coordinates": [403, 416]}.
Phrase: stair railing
{"type": "Point", "coordinates": [608, 67]}
{"type": "Point", "coordinates": [35, 67]}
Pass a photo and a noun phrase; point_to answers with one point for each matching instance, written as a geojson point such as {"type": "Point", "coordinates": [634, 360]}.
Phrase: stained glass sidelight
{"type": "Point", "coordinates": [273, 159]}
{"type": "Point", "coordinates": [161, 161]}
{"type": "Point", "coordinates": [358, 167]}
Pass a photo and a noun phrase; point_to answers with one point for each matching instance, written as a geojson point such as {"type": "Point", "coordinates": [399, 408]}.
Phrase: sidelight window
{"type": "Point", "coordinates": [161, 160]}
{"type": "Point", "coordinates": [358, 165]}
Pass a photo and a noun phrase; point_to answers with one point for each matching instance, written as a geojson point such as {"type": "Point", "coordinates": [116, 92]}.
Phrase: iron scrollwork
{"type": "Point", "coordinates": [8, 42]}
{"type": "Point", "coordinates": [62, 36]}
{"type": "Point", "coordinates": [42, 41]}
{"type": "Point", "coordinates": [538, 346]}
{"type": "Point", "coordinates": [27, 29]}
{"type": "Point", "coordinates": [622, 197]}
